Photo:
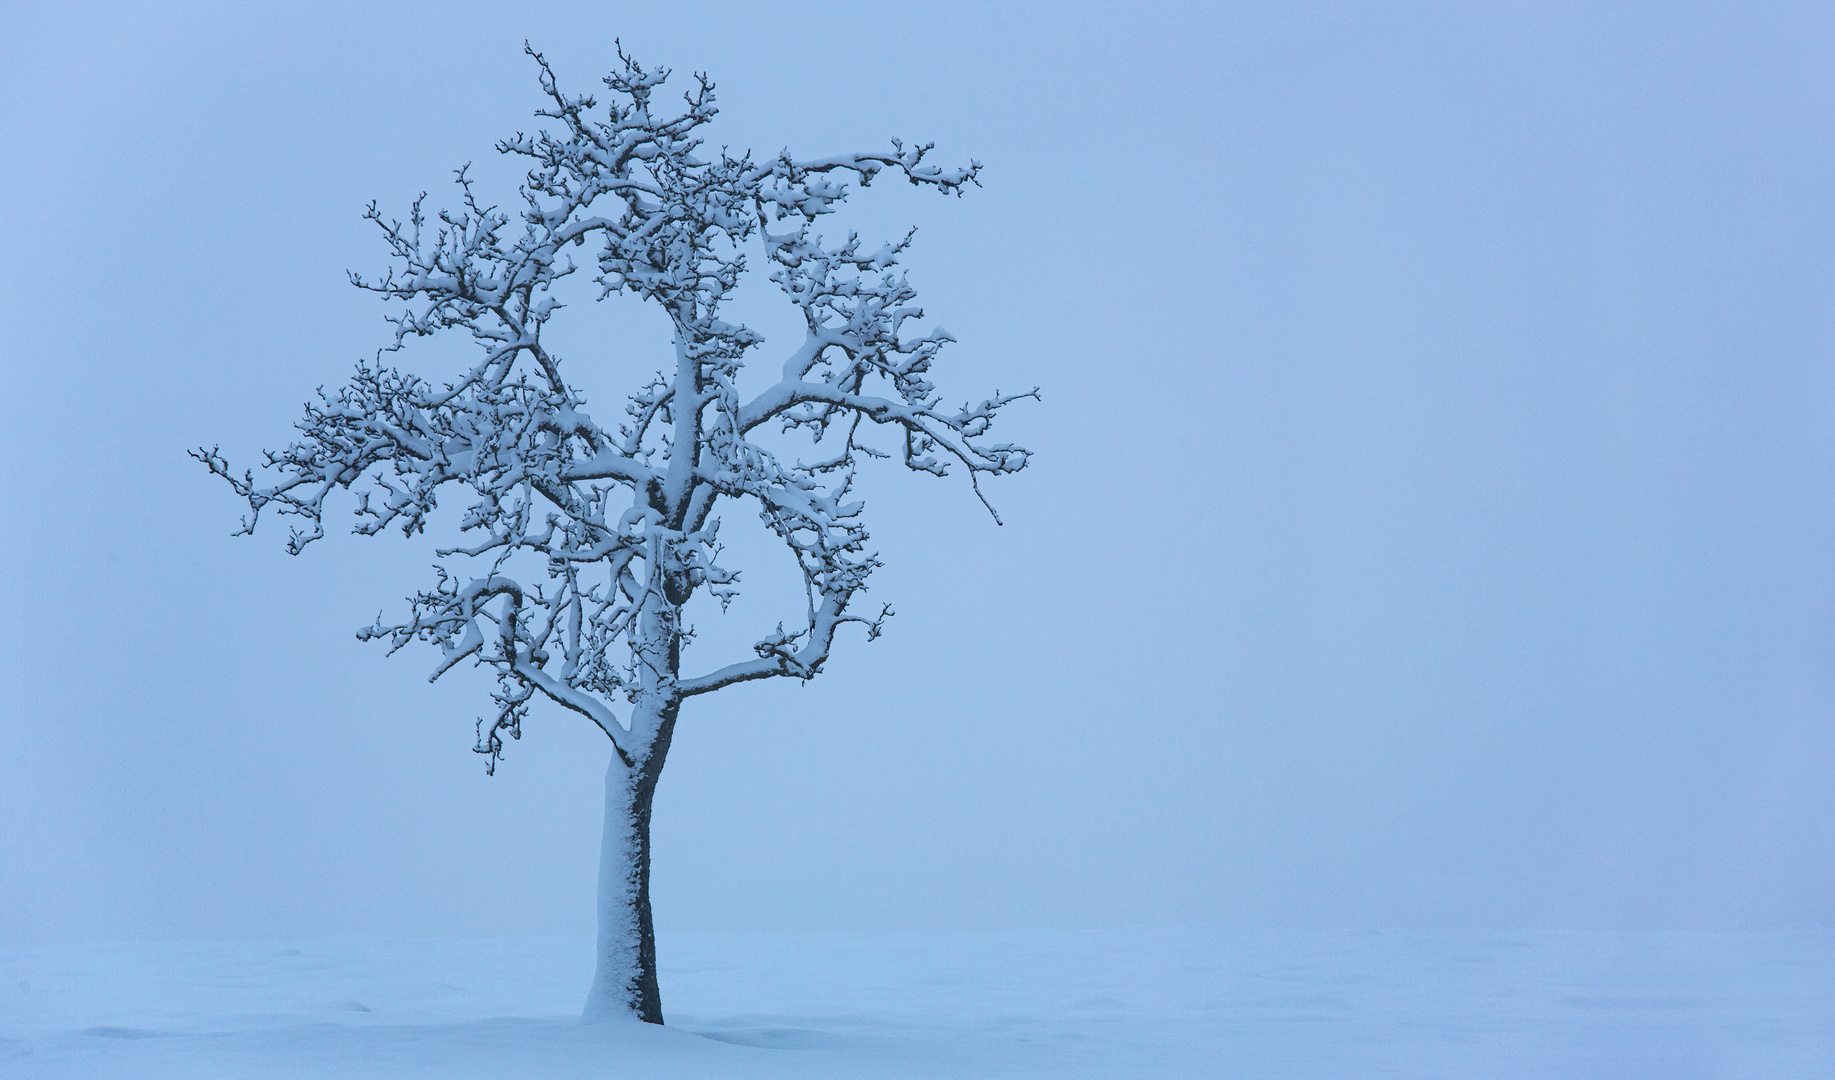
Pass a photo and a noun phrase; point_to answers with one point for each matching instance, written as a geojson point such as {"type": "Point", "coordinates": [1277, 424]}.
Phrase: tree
{"type": "Point", "coordinates": [581, 544]}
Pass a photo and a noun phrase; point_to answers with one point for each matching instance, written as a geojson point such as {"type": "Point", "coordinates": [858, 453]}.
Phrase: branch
{"type": "Point", "coordinates": [776, 658]}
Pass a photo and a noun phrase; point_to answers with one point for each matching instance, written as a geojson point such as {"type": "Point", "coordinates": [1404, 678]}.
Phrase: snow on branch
{"type": "Point", "coordinates": [578, 544]}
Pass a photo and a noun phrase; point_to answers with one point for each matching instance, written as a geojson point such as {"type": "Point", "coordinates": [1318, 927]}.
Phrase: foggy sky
{"type": "Point", "coordinates": [1432, 522]}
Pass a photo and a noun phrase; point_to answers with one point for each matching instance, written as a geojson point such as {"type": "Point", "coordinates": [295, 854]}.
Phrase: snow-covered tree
{"type": "Point", "coordinates": [580, 542]}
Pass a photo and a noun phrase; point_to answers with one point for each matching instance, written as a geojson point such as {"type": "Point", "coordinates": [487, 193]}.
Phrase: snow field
{"type": "Point", "coordinates": [1144, 1002]}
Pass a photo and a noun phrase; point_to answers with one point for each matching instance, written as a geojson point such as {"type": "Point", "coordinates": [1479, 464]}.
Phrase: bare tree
{"type": "Point", "coordinates": [580, 544]}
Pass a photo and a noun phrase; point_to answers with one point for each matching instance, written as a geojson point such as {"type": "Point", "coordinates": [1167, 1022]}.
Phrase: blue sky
{"type": "Point", "coordinates": [1431, 524]}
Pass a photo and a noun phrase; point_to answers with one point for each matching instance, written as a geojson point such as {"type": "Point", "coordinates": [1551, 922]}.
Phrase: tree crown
{"type": "Point", "coordinates": [581, 542]}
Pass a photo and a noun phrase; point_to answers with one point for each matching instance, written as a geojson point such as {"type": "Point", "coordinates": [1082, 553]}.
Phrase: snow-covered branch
{"type": "Point", "coordinates": [578, 544]}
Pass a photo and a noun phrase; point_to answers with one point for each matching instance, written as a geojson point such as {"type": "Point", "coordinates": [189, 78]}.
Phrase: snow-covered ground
{"type": "Point", "coordinates": [1162, 1002]}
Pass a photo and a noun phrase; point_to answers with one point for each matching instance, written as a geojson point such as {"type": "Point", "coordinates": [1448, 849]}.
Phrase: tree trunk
{"type": "Point", "coordinates": [624, 982]}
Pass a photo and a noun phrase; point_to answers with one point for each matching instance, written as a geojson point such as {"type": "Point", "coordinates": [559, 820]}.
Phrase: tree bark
{"type": "Point", "coordinates": [624, 981]}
